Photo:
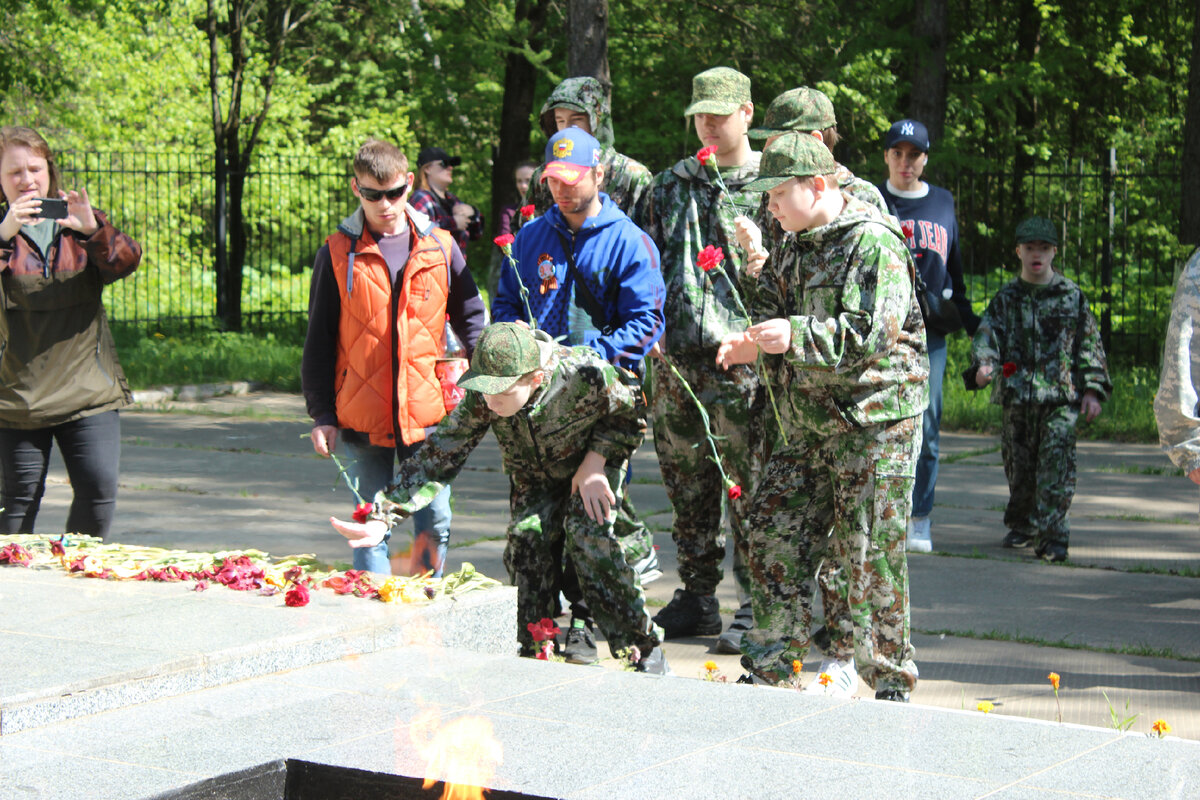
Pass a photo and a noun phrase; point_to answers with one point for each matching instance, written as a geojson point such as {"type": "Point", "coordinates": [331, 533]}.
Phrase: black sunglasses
{"type": "Point", "coordinates": [373, 195]}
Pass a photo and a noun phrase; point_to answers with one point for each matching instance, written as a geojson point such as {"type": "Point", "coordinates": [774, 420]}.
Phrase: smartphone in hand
{"type": "Point", "coordinates": [52, 208]}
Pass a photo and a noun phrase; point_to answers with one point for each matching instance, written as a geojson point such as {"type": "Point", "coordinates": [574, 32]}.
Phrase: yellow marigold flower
{"type": "Point", "coordinates": [711, 666]}
{"type": "Point", "coordinates": [985, 706]}
{"type": "Point", "coordinates": [797, 665]}
{"type": "Point", "coordinates": [824, 679]}
{"type": "Point", "coordinates": [1160, 728]}
{"type": "Point", "coordinates": [1053, 677]}
{"type": "Point", "coordinates": [390, 591]}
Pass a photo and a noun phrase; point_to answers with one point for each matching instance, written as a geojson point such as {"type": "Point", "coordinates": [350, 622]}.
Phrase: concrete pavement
{"type": "Point", "coordinates": [989, 623]}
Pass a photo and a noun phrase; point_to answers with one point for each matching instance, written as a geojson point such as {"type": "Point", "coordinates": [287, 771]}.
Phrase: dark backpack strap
{"type": "Point", "coordinates": [583, 292]}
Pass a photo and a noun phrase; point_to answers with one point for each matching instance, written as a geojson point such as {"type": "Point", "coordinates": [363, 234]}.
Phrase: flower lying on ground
{"type": "Point", "coordinates": [985, 706]}
{"type": "Point", "coordinates": [1160, 728]}
{"type": "Point", "coordinates": [712, 672]}
{"type": "Point", "coordinates": [246, 570]}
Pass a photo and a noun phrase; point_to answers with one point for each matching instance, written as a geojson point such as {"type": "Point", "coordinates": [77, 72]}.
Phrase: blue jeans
{"type": "Point", "coordinates": [374, 468]}
{"type": "Point", "coordinates": [931, 424]}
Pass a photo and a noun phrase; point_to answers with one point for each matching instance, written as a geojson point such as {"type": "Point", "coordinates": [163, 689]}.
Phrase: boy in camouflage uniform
{"type": "Point", "coordinates": [567, 422]}
{"type": "Point", "coordinates": [582, 103]}
{"type": "Point", "coordinates": [1176, 403]}
{"type": "Point", "coordinates": [836, 313]}
{"type": "Point", "coordinates": [809, 111]}
{"type": "Point", "coordinates": [1040, 334]}
{"type": "Point", "coordinates": [685, 210]}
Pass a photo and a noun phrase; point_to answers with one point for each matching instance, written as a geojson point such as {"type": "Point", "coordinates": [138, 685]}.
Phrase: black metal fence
{"type": "Point", "coordinates": [1118, 239]}
{"type": "Point", "coordinates": [165, 202]}
{"type": "Point", "coordinates": [1118, 234]}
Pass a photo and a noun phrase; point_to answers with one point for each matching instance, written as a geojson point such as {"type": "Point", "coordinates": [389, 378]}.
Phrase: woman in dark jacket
{"type": "Point", "coordinates": [59, 376]}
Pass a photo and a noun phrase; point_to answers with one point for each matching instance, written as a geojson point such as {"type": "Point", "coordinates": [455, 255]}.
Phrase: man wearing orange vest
{"type": "Point", "coordinates": [383, 286]}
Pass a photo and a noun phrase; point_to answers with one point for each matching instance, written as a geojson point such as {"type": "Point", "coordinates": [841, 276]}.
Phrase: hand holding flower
{"type": "Point", "coordinates": [361, 534]}
{"type": "Point", "coordinates": [736, 348]}
{"type": "Point", "coordinates": [983, 376]}
{"type": "Point", "coordinates": [774, 336]}
{"type": "Point", "coordinates": [748, 234]}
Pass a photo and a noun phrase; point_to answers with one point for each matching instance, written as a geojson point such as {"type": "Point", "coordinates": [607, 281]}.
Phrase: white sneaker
{"type": "Point", "coordinates": [919, 539]}
{"type": "Point", "coordinates": [647, 569]}
{"type": "Point", "coordinates": [843, 679]}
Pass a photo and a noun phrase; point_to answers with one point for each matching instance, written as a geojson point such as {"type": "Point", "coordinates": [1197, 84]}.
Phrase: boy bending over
{"type": "Point", "coordinates": [567, 422]}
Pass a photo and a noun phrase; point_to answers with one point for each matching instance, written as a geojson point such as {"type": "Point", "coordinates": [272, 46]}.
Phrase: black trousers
{"type": "Point", "coordinates": [90, 448]}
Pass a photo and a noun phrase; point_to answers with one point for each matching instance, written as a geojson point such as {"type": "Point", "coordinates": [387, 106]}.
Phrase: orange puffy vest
{"type": "Point", "coordinates": [383, 390]}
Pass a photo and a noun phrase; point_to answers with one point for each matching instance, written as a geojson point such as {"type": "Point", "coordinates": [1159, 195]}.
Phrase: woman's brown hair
{"type": "Point", "coordinates": [17, 136]}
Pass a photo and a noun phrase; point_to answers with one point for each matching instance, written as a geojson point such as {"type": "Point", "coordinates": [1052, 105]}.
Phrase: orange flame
{"type": "Point", "coordinates": [464, 753]}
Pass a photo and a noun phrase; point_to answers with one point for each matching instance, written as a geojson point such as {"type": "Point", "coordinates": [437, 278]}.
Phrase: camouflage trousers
{"type": "Point", "coordinates": [1038, 445]}
{"type": "Point", "coordinates": [544, 512]}
{"type": "Point", "coordinates": [847, 499]}
{"type": "Point", "coordinates": [693, 482]}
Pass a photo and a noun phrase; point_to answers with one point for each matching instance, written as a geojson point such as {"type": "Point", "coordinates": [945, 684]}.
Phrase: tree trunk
{"type": "Point", "coordinates": [1029, 27]}
{"type": "Point", "coordinates": [517, 106]}
{"type": "Point", "coordinates": [1189, 216]}
{"type": "Point", "coordinates": [587, 41]}
{"type": "Point", "coordinates": [927, 103]}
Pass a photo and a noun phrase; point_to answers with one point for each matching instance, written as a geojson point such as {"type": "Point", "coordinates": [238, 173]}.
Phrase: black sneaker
{"type": "Point", "coordinates": [1052, 552]}
{"type": "Point", "coordinates": [894, 695]}
{"type": "Point", "coordinates": [1016, 539]}
{"type": "Point", "coordinates": [689, 614]}
{"type": "Point", "coordinates": [580, 647]}
{"type": "Point", "coordinates": [654, 663]}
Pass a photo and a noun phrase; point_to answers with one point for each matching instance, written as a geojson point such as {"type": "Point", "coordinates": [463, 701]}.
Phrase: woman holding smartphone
{"type": "Point", "coordinates": [60, 381]}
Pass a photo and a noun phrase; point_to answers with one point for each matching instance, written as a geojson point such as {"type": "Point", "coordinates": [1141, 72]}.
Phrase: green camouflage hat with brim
{"type": "Point", "coordinates": [719, 90]}
{"type": "Point", "coordinates": [792, 155]}
{"type": "Point", "coordinates": [802, 109]}
{"type": "Point", "coordinates": [1037, 229]}
{"type": "Point", "coordinates": [505, 353]}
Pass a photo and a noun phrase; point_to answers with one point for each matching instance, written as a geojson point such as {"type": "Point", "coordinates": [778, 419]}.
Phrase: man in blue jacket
{"type": "Point", "coordinates": [592, 278]}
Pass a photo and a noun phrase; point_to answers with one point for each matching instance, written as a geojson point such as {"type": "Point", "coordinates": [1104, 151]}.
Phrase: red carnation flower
{"type": "Point", "coordinates": [1009, 369]}
{"type": "Point", "coordinates": [543, 631]}
{"type": "Point", "coordinates": [504, 241]}
{"type": "Point", "coordinates": [362, 512]}
{"type": "Point", "coordinates": [526, 212]}
{"type": "Point", "coordinates": [735, 492]}
{"type": "Point", "coordinates": [296, 596]}
{"type": "Point", "coordinates": [706, 154]}
{"type": "Point", "coordinates": [710, 258]}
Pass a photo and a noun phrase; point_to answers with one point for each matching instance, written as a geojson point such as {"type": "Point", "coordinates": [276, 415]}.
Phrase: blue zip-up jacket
{"type": "Point", "coordinates": [618, 261]}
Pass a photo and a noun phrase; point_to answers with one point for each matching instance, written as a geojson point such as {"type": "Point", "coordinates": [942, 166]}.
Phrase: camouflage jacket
{"type": "Point", "coordinates": [624, 178]}
{"type": "Point", "coordinates": [684, 211]}
{"type": "Point", "coordinates": [584, 404]}
{"type": "Point", "coordinates": [852, 186]}
{"type": "Point", "coordinates": [1177, 403]}
{"type": "Point", "coordinates": [1049, 337]}
{"type": "Point", "coordinates": [858, 354]}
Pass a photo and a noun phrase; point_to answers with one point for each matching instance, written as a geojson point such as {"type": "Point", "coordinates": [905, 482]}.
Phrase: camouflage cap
{"type": "Point", "coordinates": [802, 109]}
{"type": "Point", "coordinates": [719, 90]}
{"type": "Point", "coordinates": [504, 354]}
{"type": "Point", "coordinates": [792, 155]}
{"type": "Point", "coordinates": [1037, 229]}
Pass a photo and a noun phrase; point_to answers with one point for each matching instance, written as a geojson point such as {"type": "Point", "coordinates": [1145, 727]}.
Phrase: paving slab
{"type": "Point", "coordinates": [623, 735]}
{"type": "Point", "coordinates": [1132, 513]}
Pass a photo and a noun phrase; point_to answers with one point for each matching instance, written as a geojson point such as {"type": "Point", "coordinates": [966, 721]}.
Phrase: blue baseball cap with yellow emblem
{"type": "Point", "coordinates": [569, 154]}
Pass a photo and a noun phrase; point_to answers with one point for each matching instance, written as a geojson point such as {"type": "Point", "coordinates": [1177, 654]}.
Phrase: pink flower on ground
{"type": "Point", "coordinates": [296, 596]}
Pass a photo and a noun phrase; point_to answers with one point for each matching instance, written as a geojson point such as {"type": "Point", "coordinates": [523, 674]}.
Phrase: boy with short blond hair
{"type": "Point", "coordinates": [1039, 347]}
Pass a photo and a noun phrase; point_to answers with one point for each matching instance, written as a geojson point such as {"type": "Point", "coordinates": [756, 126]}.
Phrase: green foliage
{"type": "Point", "coordinates": [173, 357]}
